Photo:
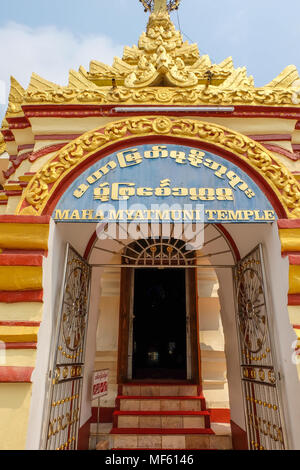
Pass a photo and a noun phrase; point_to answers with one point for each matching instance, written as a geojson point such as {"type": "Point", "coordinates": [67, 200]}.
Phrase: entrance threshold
{"type": "Point", "coordinates": [159, 382]}
{"type": "Point", "coordinates": [163, 266]}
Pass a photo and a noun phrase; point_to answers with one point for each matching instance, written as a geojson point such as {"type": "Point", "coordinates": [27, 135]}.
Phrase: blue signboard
{"type": "Point", "coordinates": [158, 183]}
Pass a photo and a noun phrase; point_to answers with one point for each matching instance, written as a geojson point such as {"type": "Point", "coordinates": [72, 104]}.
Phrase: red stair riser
{"type": "Point", "coordinates": [168, 407]}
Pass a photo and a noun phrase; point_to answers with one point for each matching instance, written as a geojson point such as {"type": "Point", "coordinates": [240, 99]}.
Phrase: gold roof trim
{"type": "Point", "coordinates": [39, 83]}
{"type": "Point", "coordinates": [79, 80]}
{"type": "Point", "coordinates": [16, 97]}
{"type": "Point", "coordinates": [51, 175]}
{"type": "Point", "coordinates": [2, 145]}
{"type": "Point", "coordinates": [286, 78]}
{"type": "Point", "coordinates": [4, 125]}
{"type": "Point", "coordinates": [166, 95]}
{"type": "Point", "coordinates": [162, 69]}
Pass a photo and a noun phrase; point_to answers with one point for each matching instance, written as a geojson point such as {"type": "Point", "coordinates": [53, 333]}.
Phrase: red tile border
{"type": "Point", "coordinates": [293, 299]}
{"type": "Point", "coordinates": [16, 259]}
{"type": "Point", "coordinates": [25, 219]}
{"type": "Point", "coordinates": [19, 346]}
{"type": "Point", "coordinates": [20, 323]}
{"type": "Point", "coordinates": [219, 415]}
{"type": "Point", "coordinates": [11, 297]}
{"type": "Point", "coordinates": [288, 223]}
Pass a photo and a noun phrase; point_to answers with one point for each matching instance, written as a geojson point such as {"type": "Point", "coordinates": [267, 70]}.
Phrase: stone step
{"type": "Point", "coordinates": [169, 439]}
{"type": "Point", "coordinates": [99, 433]}
{"type": "Point", "coordinates": [161, 419]}
{"type": "Point", "coordinates": [161, 390]}
{"type": "Point", "coordinates": [145, 403]}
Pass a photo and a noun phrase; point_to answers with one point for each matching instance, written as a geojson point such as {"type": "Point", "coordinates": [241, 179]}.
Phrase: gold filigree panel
{"type": "Point", "coordinates": [46, 181]}
{"type": "Point", "coordinates": [200, 95]}
{"type": "Point", "coordinates": [2, 145]}
{"type": "Point", "coordinates": [161, 69]}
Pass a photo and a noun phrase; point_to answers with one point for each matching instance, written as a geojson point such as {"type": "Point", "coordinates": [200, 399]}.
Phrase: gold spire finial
{"type": "Point", "coordinates": [160, 5]}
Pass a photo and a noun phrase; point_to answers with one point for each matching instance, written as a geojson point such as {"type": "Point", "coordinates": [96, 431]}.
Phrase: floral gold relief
{"type": "Point", "coordinates": [45, 182]}
{"type": "Point", "coordinates": [2, 145]}
{"type": "Point", "coordinates": [172, 96]}
{"type": "Point", "coordinates": [161, 69]}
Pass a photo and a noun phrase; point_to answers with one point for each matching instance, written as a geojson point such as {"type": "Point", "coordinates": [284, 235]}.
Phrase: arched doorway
{"type": "Point", "coordinates": [43, 201]}
{"type": "Point", "coordinates": [217, 254]}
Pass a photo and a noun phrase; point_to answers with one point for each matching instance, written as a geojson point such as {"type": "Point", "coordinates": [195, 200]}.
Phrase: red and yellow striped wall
{"type": "Point", "coordinates": [23, 245]}
{"type": "Point", "coordinates": [289, 232]}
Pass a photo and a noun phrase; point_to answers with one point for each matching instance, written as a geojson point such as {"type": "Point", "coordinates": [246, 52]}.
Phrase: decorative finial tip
{"type": "Point", "coordinates": [155, 6]}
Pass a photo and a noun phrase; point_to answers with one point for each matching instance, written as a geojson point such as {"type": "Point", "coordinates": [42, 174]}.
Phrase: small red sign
{"type": "Point", "coordinates": [100, 383]}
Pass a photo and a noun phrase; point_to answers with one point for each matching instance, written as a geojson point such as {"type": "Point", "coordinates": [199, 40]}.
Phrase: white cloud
{"type": "Point", "coordinates": [50, 52]}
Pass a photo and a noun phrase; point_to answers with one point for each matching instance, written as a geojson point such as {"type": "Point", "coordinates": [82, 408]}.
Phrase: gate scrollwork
{"type": "Point", "coordinates": [258, 371]}
{"type": "Point", "coordinates": [64, 396]}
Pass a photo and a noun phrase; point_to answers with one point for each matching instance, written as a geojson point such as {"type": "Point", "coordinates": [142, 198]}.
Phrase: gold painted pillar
{"type": "Point", "coordinates": [23, 245]}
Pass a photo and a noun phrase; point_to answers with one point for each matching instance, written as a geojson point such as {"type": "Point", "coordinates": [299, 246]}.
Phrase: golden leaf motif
{"type": "Point", "coordinates": [2, 144]}
{"type": "Point", "coordinates": [161, 95]}
{"type": "Point", "coordinates": [275, 173]}
{"type": "Point", "coordinates": [162, 69]}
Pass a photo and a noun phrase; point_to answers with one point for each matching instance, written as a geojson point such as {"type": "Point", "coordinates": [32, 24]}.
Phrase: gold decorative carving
{"type": "Point", "coordinates": [275, 173]}
{"type": "Point", "coordinates": [161, 58]}
{"type": "Point", "coordinates": [2, 145]}
{"type": "Point", "coordinates": [79, 80]}
{"type": "Point", "coordinates": [16, 97]}
{"type": "Point", "coordinates": [39, 83]}
{"type": "Point", "coordinates": [29, 210]}
{"type": "Point", "coordinates": [162, 69]}
{"type": "Point", "coordinates": [164, 95]}
{"type": "Point", "coordinates": [286, 78]}
{"type": "Point", "coordinates": [4, 124]}
{"type": "Point", "coordinates": [157, 5]}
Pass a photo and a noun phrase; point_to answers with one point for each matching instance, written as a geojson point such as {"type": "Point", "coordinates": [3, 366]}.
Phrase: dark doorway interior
{"type": "Point", "coordinates": [159, 326]}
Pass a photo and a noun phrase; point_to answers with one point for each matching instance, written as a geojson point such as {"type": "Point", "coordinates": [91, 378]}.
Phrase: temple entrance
{"type": "Point", "coordinates": [158, 337]}
{"type": "Point", "coordinates": [162, 314]}
{"type": "Point", "coordinates": [159, 324]}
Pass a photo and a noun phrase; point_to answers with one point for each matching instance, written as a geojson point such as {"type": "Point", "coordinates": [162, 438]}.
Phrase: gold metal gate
{"type": "Point", "coordinates": [257, 356]}
{"type": "Point", "coordinates": [66, 372]}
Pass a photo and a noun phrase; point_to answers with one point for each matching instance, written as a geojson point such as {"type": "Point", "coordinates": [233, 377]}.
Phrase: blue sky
{"type": "Point", "coordinates": [50, 37]}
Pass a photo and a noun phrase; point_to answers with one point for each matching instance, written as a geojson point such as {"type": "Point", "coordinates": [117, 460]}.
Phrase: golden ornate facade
{"type": "Point", "coordinates": [162, 69]}
{"type": "Point", "coordinates": [161, 90]}
{"type": "Point", "coordinates": [284, 184]}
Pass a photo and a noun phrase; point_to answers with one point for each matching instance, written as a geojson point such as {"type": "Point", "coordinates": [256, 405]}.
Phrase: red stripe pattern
{"type": "Point", "coordinates": [14, 259]}
{"type": "Point", "coordinates": [9, 374]}
{"type": "Point", "coordinates": [10, 297]}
